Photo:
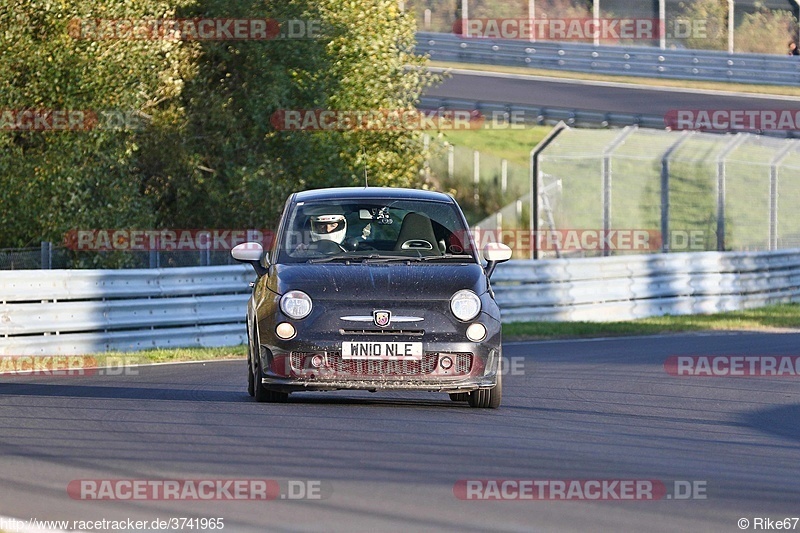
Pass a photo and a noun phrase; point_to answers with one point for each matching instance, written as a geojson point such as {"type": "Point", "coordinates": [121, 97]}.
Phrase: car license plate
{"type": "Point", "coordinates": [400, 351]}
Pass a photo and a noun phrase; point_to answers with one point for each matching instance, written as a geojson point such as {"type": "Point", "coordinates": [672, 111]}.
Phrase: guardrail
{"type": "Point", "coordinates": [544, 115]}
{"type": "Point", "coordinates": [705, 65]}
{"type": "Point", "coordinates": [73, 312]}
{"type": "Point", "coordinates": [629, 287]}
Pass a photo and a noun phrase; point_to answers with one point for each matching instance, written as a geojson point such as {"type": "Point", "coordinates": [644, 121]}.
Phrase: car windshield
{"type": "Point", "coordinates": [379, 230]}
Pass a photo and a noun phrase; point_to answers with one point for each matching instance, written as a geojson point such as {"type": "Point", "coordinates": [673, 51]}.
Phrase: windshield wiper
{"type": "Point", "coordinates": [362, 257]}
{"type": "Point", "coordinates": [379, 258]}
{"type": "Point", "coordinates": [448, 256]}
{"type": "Point", "coordinates": [330, 258]}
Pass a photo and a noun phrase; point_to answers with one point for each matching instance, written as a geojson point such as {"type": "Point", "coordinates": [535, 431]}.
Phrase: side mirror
{"type": "Point", "coordinates": [495, 253]}
{"type": "Point", "coordinates": [251, 253]}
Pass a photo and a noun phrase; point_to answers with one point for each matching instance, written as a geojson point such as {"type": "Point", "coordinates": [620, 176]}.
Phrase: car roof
{"type": "Point", "coordinates": [394, 193]}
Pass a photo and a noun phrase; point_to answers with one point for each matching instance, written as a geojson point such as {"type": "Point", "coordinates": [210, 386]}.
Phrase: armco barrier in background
{"type": "Point", "coordinates": [68, 312]}
{"type": "Point", "coordinates": [706, 65]}
{"type": "Point", "coordinates": [630, 287]}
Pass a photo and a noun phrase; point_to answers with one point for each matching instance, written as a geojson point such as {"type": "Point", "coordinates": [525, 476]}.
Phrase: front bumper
{"type": "Point", "coordinates": [471, 366]}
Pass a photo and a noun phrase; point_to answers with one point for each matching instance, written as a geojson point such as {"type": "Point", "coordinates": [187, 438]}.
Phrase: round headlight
{"type": "Point", "coordinates": [296, 304]}
{"type": "Point", "coordinates": [465, 304]}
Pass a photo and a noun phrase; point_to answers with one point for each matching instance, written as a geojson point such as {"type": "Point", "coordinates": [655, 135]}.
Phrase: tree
{"type": "Point", "coordinates": [715, 15]}
{"type": "Point", "coordinates": [61, 179]}
{"type": "Point", "coordinates": [207, 154]}
{"type": "Point", "coordinates": [766, 31]}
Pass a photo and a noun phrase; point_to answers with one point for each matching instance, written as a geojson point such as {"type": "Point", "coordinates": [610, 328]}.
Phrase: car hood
{"type": "Point", "coordinates": [419, 281]}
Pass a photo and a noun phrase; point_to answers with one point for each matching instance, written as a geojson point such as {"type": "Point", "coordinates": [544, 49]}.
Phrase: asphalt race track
{"type": "Point", "coordinates": [573, 410]}
{"type": "Point", "coordinates": [595, 96]}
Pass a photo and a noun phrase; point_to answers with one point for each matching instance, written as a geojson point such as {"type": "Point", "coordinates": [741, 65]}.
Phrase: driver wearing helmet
{"type": "Point", "coordinates": [328, 228]}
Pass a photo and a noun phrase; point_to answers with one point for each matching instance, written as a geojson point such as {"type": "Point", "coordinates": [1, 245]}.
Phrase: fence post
{"type": "Point", "coordinates": [665, 238]}
{"type": "Point", "coordinates": [722, 185]}
{"type": "Point", "coordinates": [46, 255]}
{"type": "Point", "coordinates": [451, 161]}
{"type": "Point", "coordinates": [773, 194]}
{"type": "Point", "coordinates": [534, 178]}
{"type": "Point", "coordinates": [476, 172]}
{"type": "Point", "coordinates": [426, 144]}
{"type": "Point", "coordinates": [607, 153]}
{"type": "Point", "coordinates": [504, 175]}
{"type": "Point", "coordinates": [154, 259]}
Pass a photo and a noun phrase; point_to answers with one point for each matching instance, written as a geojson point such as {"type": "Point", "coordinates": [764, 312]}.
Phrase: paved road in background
{"type": "Point", "coordinates": [600, 409]}
{"type": "Point", "coordinates": [594, 96]}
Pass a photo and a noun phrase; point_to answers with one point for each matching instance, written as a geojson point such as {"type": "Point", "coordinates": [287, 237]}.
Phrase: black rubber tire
{"type": "Point", "coordinates": [263, 394]}
{"type": "Point", "coordinates": [488, 398]}
{"type": "Point", "coordinates": [251, 381]}
{"type": "Point", "coordinates": [459, 396]}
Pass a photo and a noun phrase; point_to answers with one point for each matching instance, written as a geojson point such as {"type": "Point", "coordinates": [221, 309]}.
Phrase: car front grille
{"type": "Point", "coordinates": [399, 332]}
{"type": "Point", "coordinates": [463, 363]}
{"type": "Point", "coordinates": [335, 366]}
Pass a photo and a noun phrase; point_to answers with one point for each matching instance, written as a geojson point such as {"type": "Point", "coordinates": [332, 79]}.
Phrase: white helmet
{"type": "Point", "coordinates": [328, 228]}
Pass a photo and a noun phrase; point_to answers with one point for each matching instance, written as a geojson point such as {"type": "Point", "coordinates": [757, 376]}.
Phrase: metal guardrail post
{"type": "Point", "coordinates": [534, 177]}
{"type": "Point", "coordinates": [722, 186]}
{"type": "Point", "coordinates": [665, 238]}
{"type": "Point", "coordinates": [607, 181]}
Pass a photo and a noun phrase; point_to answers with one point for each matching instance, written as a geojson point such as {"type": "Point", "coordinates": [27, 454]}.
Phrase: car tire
{"type": "Point", "coordinates": [488, 398]}
{"type": "Point", "coordinates": [263, 394]}
{"type": "Point", "coordinates": [251, 380]}
{"type": "Point", "coordinates": [459, 396]}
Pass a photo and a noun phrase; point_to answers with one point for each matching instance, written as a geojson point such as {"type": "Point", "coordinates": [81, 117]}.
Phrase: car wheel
{"type": "Point", "coordinates": [459, 396]}
{"type": "Point", "coordinates": [488, 398]}
{"type": "Point", "coordinates": [251, 381]}
{"type": "Point", "coordinates": [263, 394]}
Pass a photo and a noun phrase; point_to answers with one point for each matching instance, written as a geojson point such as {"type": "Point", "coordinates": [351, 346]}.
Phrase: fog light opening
{"type": "Point", "coordinates": [285, 331]}
{"type": "Point", "coordinates": [476, 332]}
{"type": "Point", "coordinates": [446, 363]}
{"type": "Point", "coordinates": [317, 361]}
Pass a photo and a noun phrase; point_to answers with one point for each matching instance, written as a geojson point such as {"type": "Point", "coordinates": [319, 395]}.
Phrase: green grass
{"type": "Point", "coordinates": [514, 145]}
{"type": "Point", "coordinates": [784, 316]}
{"type": "Point", "coordinates": [780, 90]}
{"type": "Point", "coordinates": [169, 355]}
{"type": "Point", "coordinates": [781, 317]}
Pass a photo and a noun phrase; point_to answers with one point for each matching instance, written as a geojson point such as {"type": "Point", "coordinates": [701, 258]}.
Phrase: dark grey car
{"type": "Point", "coordinates": [373, 289]}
